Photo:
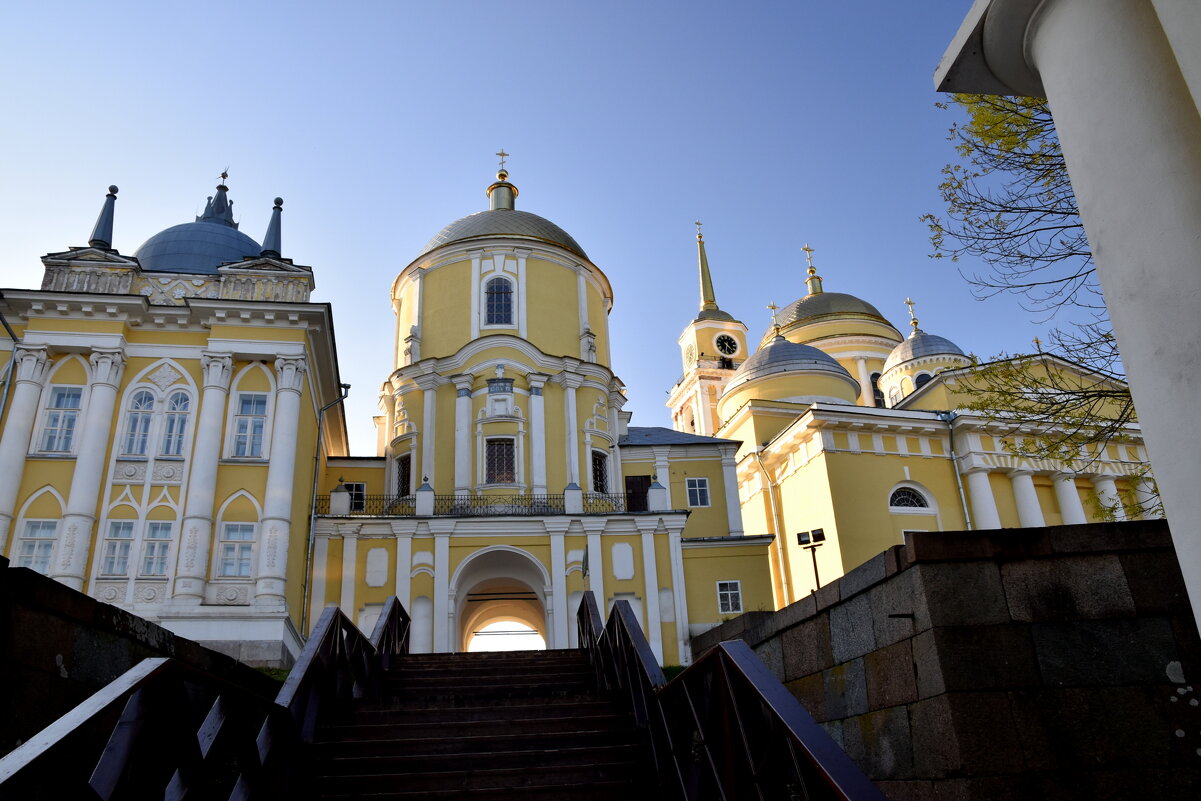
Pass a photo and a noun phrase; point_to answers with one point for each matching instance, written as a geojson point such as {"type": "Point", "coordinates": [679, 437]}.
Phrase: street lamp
{"type": "Point", "coordinates": [810, 541]}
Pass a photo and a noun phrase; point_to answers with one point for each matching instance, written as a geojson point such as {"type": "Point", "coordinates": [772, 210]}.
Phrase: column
{"type": "Point", "coordinates": [615, 403]}
{"type": "Point", "coordinates": [729, 471]}
{"type": "Point", "coordinates": [463, 433]}
{"type": "Point", "coordinates": [197, 529]}
{"type": "Point", "coordinates": [275, 530]}
{"type": "Point", "coordinates": [441, 592]}
{"type": "Point", "coordinates": [676, 555]}
{"type": "Point", "coordinates": [1145, 496]}
{"type": "Point", "coordinates": [866, 396]}
{"type": "Point", "coordinates": [1030, 513]}
{"type": "Point", "coordinates": [596, 563]}
{"type": "Point", "coordinates": [984, 505]}
{"type": "Point", "coordinates": [350, 559]}
{"type": "Point", "coordinates": [1107, 494]}
{"type": "Point", "coordinates": [537, 382]}
{"type": "Point", "coordinates": [95, 433]}
{"type": "Point", "coordinates": [650, 572]}
{"type": "Point", "coordinates": [1070, 507]}
{"type": "Point", "coordinates": [29, 366]}
{"type": "Point", "coordinates": [571, 382]}
{"type": "Point", "coordinates": [320, 571]}
{"type": "Point", "coordinates": [560, 619]}
{"type": "Point", "coordinates": [404, 569]}
{"type": "Point", "coordinates": [428, 384]}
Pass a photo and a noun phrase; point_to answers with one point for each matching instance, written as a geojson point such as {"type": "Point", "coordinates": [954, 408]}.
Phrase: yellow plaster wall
{"type": "Point", "coordinates": [704, 567]}
{"type": "Point", "coordinates": [446, 310]}
{"type": "Point", "coordinates": [704, 521]}
{"type": "Point", "coordinates": [552, 313]}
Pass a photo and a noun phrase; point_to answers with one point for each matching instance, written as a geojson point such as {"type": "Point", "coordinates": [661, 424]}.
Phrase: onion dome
{"type": "Point", "coordinates": [781, 356]}
{"type": "Point", "coordinates": [202, 246]}
{"type": "Point", "coordinates": [503, 219]}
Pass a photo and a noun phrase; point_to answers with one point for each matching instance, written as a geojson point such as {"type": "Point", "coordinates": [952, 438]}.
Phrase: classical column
{"type": "Point", "coordinates": [560, 618]}
{"type": "Point", "coordinates": [95, 435]}
{"type": "Point", "coordinates": [571, 382]}
{"type": "Point", "coordinates": [1107, 494]}
{"type": "Point", "coordinates": [404, 568]}
{"type": "Point", "coordinates": [984, 505]}
{"type": "Point", "coordinates": [676, 556]}
{"type": "Point", "coordinates": [650, 573]}
{"type": "Point", "coordinates": [596, 562]}
{"type": "Point", "coordinates": [866, 396]}
{"type": "Point", "coordinates": [442, 592]}
{"type": "Point", "coordinates": [197, 530]}
{"type": "Point", "coordinates": [463, 433]}
{"type": "Point", "coordinates": [428, 384]}
{"type": "Point", "coordinates": [1145, 496]}
{"type": "Point", "coordinates": [1070, 507]}
{"type": "Point", "coordinates": [537, 382]}
{"type": "Point", "coordinates": [1030, 513]}
{"type": "Point", "coordinates": [29, 366]}
{"type": "Point", "coordinates": [320, 570]}
{"type": "Point", "coordinates": [275, 530]}
{"type": "Point", "coordinates": [350, 559]}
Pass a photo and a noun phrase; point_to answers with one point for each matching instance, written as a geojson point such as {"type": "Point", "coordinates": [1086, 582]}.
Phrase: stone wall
{"type": "Point", "coordinates": [58, 646]}
{"type": "Point", "coordinates": [1011, 664]}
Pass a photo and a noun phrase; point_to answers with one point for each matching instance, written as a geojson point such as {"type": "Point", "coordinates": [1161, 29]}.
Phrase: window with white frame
{"type": "Point", "coordinates": [729, 597]}
{"type": "Point", "coordinates": [498, 302]}
{"type": "Point", "coordinates": [114, 558]}
{"type": "Point", "coordinates": [250, 423]}
{"type": "Point", "coordinates": [500, 461]}
{"type": "Point", "coordinates": [235, 549]}
{"type": "Point", "coordinates": [35, 545]}
{"type": "Point", "coordinates": [175, 423]}
{"type": "Point", "coordinates": [698, 491]}
{"type": "Point", "coordinates": [358, 495]}
{"type": "Point", "coordinates": [156, 546]}
{"type": "Point", "coordinates": [600, 472]}
{"type": "Point", "coordinates": [62, 414]}
{"type": "Point", "coordinates": [138, 417]}
{"type": "Point", "coordinates": [907, 498]}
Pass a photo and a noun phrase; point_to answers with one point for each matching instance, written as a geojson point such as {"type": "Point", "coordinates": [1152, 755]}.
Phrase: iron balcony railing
{"type": "Point", "coordinates": [521, 505]}
{"type": "Point", "coordinates": [498, 505]}
{"type": "Point", "coordinates": [374, 505]}
{"type": "Point", "coordinates": [601, 503]}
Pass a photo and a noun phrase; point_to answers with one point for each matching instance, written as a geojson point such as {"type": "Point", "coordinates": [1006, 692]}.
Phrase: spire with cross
{"type": "Point", "coordinates": [775, 322]}
{"type": "Point", "coordinates": [912, 316]}
{"type": "Point", "coordinates": [698, 225]}
{"type": "Point", "coordinates": [814, 282]}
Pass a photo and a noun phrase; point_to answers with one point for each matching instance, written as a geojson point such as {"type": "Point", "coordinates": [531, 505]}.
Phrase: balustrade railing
{"type": "Point", "coordinates": [497, 505]}
{"type": "Point", "coordinates": [601, 503]}
{"type": "Point", "coordinates": [524, 505]}
{"type": "Point", "coordinates": [376, 505]}
{"type": "Point", "coordinates": [725, 728]}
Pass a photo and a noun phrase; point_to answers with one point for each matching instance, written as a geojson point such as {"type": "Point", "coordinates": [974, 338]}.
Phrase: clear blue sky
{"type": "Point", "coordinates": [774, 123]}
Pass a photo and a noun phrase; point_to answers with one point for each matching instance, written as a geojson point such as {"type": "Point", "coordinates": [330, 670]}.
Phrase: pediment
{"type": "Point", "coordinates": [91, 255]}
{"type": "Point", "coordinates": [265, 265]}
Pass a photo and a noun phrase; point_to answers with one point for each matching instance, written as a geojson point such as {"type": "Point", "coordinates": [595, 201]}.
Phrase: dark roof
{"type": "Point", "coordinates": [503, 222]}
{"type": "Point", "coordinates": [657, 435]}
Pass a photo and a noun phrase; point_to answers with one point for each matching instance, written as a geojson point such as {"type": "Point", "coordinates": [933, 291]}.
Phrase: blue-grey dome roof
{"type": "Point", "coordinates": [919, 344]}
{"type": "Point", "coordinates": [782, 356]}
{"type": "Point", "coordinates": [195, 247]}
{"type": "Point", "coordinates": [503, 222]}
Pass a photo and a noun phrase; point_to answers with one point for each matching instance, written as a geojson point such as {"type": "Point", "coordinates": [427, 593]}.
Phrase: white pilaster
{"type": "Point", "coordinates": [350, 559]}
{"type": "Point", "coordinates": [581, 284]}
{"type": "Point", "coordinates": [463, 433]}
{"type": "Point", "coordinates": [522, 306]}
{"type": "Point", "coordinates": [476, 255]}
{"type": "Point", "coordinates": [729, 471]}
{"type": "Point", "coordinates": [663, 472]}
{"type": "Point", "coordinates": [442, 636]}
{"type": "Point", "coordinates": [984, 505]}
{"type": "Point", "coordinates": [428, 384]}
{"type": "Point", "coordinates": [683, 636]}
{"type": "Point", "coordinates": [571, 382]}
{"type": "Point", "coordinates": [558, 583]}
{"type": "Point", "coordinates": [196, 532]}
{"type": "Point", "coordinates": [75, 539]}
{"type": "Point", "coordinates": [1070, 507]}
{"type": "Point", "coordinates": [1030, 513]}
{"type": "Point", "coordinates": [320, 572]}
{"type": "Point", "coordinates": [1107, 493]}
{"type": "Point", "coordinates": [866, 396]}
{"type": "Point", "coordinates": [30, 367]}
{"type": "Point", "coordinates": [404, 569]}
{"type": "Point", "coordinates": [275, 532]}
{"type": "Point", "coordinates": [596, 564]}
{"type": "Point", "coordinates": [650, 573]}
{"type": "Point", "coordinates": [537, 383]}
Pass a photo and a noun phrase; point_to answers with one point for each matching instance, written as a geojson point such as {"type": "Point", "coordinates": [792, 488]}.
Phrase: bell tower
{"type": "Point", "coordinates": [711, 348]}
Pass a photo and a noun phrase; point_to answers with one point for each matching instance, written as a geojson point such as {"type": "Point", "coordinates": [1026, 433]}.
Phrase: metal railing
{"type": "Point", "coordinates": [601, 503]}
{"type": "Point", "coordinates": [497, 505]}
{"type": "Point", "coordinates": [725, 728]}
{"type": "Point", "coordinates": [164, 729]}
{"type": "Point", "coordinates": [374, 505]}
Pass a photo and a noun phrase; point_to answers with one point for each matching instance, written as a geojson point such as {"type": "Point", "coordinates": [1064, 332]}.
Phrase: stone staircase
{"type": "Point", "coordinates": [486, 727]}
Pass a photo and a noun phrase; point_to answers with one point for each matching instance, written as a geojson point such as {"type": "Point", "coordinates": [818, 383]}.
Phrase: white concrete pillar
{"type": "Point", "coordinates": [428, 384]}
{"type": "Point", "coordinates": [442, 610]}
{"type": "Point", "coordinates": [1070, 507]}
{"type": "Point", "coordinates": [1030, 513]}
{"type": "Point", "coordinates": [1147, 498]}
{"type": "Point", "coordinates": [560, 619]}
{"type": "Point", "coordinates": [404, 569]}
{"type": "Point", "coordinates": [662, 473]}
{"type": "Point", "coordinates": [275, 529]}
{"type": "Point", "coordinates": [95, 434]}
{"type": "Point", "coordinates": [984, 505]}
{"type": "Point", "coordinates": [1107, 494]}
{"type": "Point", "coordinates": [866, 396]}
{"type": "Point", "coordinates": [320, 572]}
{"type": "Point", "coordinates": [729, 470]}
{"type": "Point", "coordinates": [650, 574]}
{"type": "Point", "coordinates": [537, 382]}
{"type": "Point", "coordinates": [463, 433]}
{"type": "Point", "coordinates": [350, 559]}
{"type": "Point", "coordinates": [29, 365]}
{"type": "Point", "coordinates": [570, 383]}
{"type": "Point", "coordinates": [683, 635]}
{"type": "Point", "coordinates": [196, 533]}
{"type": "Point", "coordinates": [596, 563]}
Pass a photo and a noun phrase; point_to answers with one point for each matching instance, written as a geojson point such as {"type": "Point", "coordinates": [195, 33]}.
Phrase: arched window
{"type": "Point", "coordinates": [922, 380]}
{"type": "Point", "coordinates": [600, 472]}
{"type": "Point", "coordinates": [877, 393]}
{"type": "Point", "coordinates": [176, 423]}
{"type": "Point", "coordinates": [906, 498]}
{"type": "Point", "coordinates": [137, 423]}
{"type": "Point", "coordinates": [894, 396]}
{"type": "Point", "coordinates": [499, 302]}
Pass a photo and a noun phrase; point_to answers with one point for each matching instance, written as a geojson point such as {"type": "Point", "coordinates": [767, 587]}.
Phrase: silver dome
{"type": "Point", "coordinates": [503, 222]}
{"type": "Point", "coordinates": [782, 356]}
{"type": "Point", "coordinates": [195, 247]}
{"type": "Point", "coordinates": [919, 344]}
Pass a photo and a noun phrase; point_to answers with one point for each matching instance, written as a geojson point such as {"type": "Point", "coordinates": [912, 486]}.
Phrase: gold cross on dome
{"type": "Point", "coordinates": [774, 308]}
{"type": "Point", "coordinates": [503, 155]}
{"type": "Point", "coordinates": [808, 255]}
{"type": "Point", "coordinates": [912, 317]}
{"type": "Point", "coordinates": [698, 224]}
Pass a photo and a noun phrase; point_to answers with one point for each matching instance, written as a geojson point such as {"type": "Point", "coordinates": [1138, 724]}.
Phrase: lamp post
{"type": "Point", "coordinates": [810, 541]}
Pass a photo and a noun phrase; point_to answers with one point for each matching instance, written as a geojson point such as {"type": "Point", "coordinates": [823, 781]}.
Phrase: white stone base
{"type": "Point", "coordinates": [255, 638]}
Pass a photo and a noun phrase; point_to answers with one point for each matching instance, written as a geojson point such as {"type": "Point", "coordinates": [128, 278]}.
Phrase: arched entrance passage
{"type": "Point", "coordinates": [500, 584]}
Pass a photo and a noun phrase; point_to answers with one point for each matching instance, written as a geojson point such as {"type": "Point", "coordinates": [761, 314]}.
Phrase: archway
{"type": "Point", "coordinates": [500, 585]}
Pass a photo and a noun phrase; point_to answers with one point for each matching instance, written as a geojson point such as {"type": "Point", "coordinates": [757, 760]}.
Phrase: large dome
{"type": "Point", "coordinates": [919, 344]}
{"type": "Point", "coordinates": [503, 222]}
{"type": "Point", "coordinates": [781, 356]}
{"type": "Point", "coordinates": [823, 303]}
{"type": "Point", "coordinates": [195, 247]}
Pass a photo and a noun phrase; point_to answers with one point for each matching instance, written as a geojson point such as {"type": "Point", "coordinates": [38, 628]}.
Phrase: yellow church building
{"type": "Point", "coordinates": [851, 434]}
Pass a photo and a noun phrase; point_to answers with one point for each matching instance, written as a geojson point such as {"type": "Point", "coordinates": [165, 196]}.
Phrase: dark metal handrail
{"type": "Point", "coordinates": [725, 728]}
{"type": "Point", "coordinates": [604, 503]}
{"type": "Point", "coordinates": [374, 505]}
{"type": "Point", "coordinates": [498, 505]}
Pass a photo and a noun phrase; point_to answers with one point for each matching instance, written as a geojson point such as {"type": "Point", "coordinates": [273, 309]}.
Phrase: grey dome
{"type": "Point", "coordinates": [195, 247]}
{"type": "Point", "coordinates": [821, 303]}
{"type": "Point", "coordinates": [782, 356]}
{"type": "Point", "coordinates": [919, 344]}
{"type": "Point", "coordinates": [503, 222]}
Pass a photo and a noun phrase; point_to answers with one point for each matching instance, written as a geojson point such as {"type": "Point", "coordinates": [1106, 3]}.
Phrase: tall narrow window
{"type": "Point", "coordinates": [499, 462]}
{"type": "Point", "coordinates": [155, 548]}
{"type": "Point", "coordinates": [499, 302]}
{"type": "Point", "coordinates": [35, 546]}
{"type": "Point", "coordinates": [114, 561]}
{"type": "Point", "coordinates": [877, 393]}
{"type": "Point", "coordinates": [358, 495]}
{"type": "Point", "coordinates": [637, 488]}
{"type": "Point", "coordinates": [61, 415]}
{"type": "Point", "coordinates": [137, 423]}
{"type": "Point", "coordinates": [698, 491]}
{"type": "Point", "coordinates": [600, 471]}
{"type": "Point", "coordinates": [404, 475]}
{"type": "Point", "coordinates": [237, 545]}
{"type": "Point", "coordinates": [175, 423]}
{"type": "Point", "coordinates": [249, 424]}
